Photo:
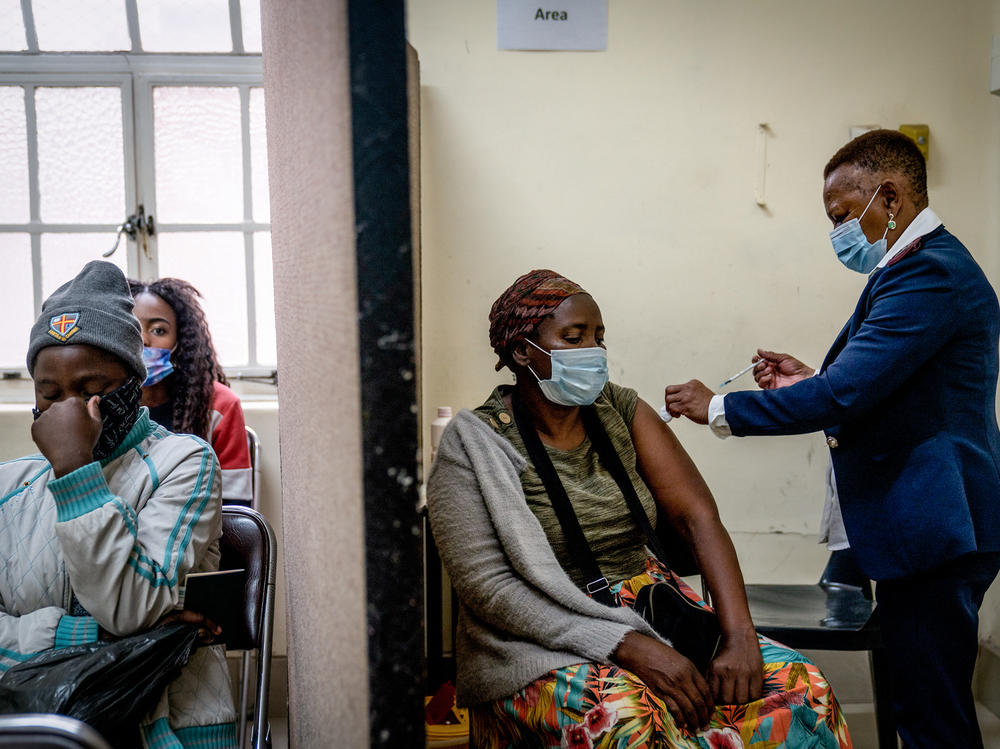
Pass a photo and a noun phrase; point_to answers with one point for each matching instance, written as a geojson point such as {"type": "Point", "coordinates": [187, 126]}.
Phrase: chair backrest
{"type": "Point", "coordinates": [48, 731]}
{"type": "Point", "coordinates": [248, 543]}
{"type": "Point", "coordinates": [253, 445]}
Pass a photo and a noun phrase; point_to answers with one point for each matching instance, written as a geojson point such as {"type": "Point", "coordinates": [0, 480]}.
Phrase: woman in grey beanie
{"type": "Point", "coordinates": [99, 532]}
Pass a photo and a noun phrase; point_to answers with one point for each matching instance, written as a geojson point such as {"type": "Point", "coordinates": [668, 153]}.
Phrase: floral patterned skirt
{"type": "Point", "coordinates": [607, 707]}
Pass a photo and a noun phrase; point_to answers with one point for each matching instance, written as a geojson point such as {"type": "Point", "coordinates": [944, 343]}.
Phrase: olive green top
{"type": "Point", "coordinates": [617, 542]}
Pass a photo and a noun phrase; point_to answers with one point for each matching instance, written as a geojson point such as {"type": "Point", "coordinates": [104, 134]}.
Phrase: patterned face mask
{"type": "Point", "coordinates": [119, 410]}
{"type": "Point", "coordinates": [158, 364]}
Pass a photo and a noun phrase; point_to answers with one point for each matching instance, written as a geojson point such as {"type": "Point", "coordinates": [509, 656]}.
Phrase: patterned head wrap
{"type": "Point", "coordinates": [523, 306]}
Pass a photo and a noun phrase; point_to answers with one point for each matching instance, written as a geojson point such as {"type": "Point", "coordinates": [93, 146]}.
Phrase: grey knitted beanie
{"type": "Point", "coordinates": [95, 309]}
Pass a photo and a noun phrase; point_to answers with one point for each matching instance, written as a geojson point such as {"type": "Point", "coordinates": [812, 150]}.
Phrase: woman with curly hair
{"type": "Point", "coordinates": [185, 389]}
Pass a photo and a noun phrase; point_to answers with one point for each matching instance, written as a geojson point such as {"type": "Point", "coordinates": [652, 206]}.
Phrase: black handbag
{"type": "Point", "coordinates": [692, 630]}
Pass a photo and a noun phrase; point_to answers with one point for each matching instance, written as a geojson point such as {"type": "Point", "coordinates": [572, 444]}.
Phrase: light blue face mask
{"type": "Point", "coordinates": [852, 246]}
{"type": "Point", "coordinates": [578, 375]}
{"type": "Point", "coordinates": [158, 364]}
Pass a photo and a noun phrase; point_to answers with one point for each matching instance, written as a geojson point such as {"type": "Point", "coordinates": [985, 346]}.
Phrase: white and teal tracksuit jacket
{"type": "Point", "coordinates": [122, 534]}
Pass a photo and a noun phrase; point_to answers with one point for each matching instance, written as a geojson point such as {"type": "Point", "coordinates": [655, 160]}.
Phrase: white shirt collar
{"type": "Point", "coordinates": [925, 222]}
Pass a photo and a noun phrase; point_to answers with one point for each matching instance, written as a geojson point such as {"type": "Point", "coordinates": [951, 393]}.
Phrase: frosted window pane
{"type": "Point", "coordinates": [13, 157]}
{"type": "Point", "coordinates": [12, 37]}
{"type": "Point", "coordinates": [250, 12]}
{"type": "Point", "coordinates": [81, 164]}
{"type": "Point", "coordinates": [81, 25]}
{"type": "Point", "coordinates": [185, 25]}
{"type": "Point", "coordinates": [215, 263]}
{"type": "Point", "coordinates": [18, 305]}
{"type": "Point", "coordinates": [263, 278]}
{"type": "Point", "coordinates": [199, 154]}
{"type": "Point", "coordinates": [258, 158]}
{"type": "Point", "coordinates": [63, 255]}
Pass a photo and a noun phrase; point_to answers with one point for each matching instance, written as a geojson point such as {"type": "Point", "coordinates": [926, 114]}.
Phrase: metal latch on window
{"type": "Point", "coordinates": [137, 225]}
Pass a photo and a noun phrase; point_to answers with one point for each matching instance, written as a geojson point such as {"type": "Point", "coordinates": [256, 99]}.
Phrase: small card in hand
{"type": "Point", "coordinates": [217, 596]}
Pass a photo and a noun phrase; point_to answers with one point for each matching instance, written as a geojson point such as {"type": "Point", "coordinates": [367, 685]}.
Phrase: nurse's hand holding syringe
{"type": "Point", "coordinates": [666, 415]}
{"type": "Point", "coordinates": [779, 370]}
{"type": "Point", "coordinates": [771, 370]}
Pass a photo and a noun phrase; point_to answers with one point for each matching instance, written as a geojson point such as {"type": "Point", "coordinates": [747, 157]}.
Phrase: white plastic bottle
{"type": "Point", "coordinates": [437, 428]}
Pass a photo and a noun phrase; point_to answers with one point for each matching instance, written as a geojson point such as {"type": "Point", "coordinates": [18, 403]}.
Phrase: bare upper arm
{"type": "Point", "coordinates": [667, 469]}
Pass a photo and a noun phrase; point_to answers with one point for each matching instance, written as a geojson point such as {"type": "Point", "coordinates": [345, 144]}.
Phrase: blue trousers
{"type": "Point", "coordinates": [930, 627]}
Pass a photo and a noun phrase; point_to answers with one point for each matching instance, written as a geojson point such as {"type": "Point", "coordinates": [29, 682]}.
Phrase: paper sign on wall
{"type": "Point", "coordinates": [552, 24]}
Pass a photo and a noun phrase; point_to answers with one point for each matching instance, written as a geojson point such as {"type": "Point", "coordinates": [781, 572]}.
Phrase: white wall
{"type": "Point", "coordinates": [262, 415]}
{"type": "Point", "coordinates": [990, 621]}
{"type": "Point", "coordinates": [632, 171]}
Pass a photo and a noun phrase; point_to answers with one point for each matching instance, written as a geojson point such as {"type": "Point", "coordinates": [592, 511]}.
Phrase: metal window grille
{"type": "Point", "coordinates": [137, 75]}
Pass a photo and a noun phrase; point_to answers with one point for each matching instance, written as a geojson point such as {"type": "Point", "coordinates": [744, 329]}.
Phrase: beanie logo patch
{"type": "Point", "coordinates": [63, 327]}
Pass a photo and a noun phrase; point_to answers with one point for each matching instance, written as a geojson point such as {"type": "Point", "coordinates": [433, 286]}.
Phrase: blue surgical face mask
{"type": "Point", "coordinates": [158, 364]}
{"type": "Point", "coordinates": [578, 375]}
{"type": "Point", "coordinates": [852, 246]}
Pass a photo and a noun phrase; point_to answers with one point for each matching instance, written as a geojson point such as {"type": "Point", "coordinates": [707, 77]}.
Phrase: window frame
{"type": "Point", "coordinates": [134, 30]}
{"type": "Point", "coordinates": [137, 75]}
{"type": "Point", "coordinates": [35, 227]}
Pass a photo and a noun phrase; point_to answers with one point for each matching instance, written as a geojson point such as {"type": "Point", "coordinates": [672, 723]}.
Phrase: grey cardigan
{"type": "Point", "coordinates": [520, 615]}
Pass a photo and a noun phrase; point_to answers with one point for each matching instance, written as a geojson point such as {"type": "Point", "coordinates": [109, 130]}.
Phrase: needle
{"type": "Point", "coordinates": [738, 374]}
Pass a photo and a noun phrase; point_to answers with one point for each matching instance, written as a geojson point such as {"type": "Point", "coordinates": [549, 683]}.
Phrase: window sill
{"type": "Point", "coordinates": [19, 392]}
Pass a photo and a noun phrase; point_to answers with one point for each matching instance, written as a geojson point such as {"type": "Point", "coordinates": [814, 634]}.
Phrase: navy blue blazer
{"type": "Point", "coordinates": [906, 397]}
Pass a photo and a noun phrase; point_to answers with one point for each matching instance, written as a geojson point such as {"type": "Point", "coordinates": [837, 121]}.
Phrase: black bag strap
{"type": "Point", "coordinates": [609, 457]}
{"type": "Point", "coordinates": [597, 585]}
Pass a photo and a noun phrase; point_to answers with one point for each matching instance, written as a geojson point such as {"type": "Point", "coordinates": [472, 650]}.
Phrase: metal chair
{"type": "Point", "coordinates": [440, 661]}
{"type": "Point", "coordinates": [48, 731]}
{"type": "Point", "coordinates": [253, 448]}
{"type": "Point", "coordinates": [253, 445]}
{"type": "Point", "coordinates": [248, 543]}
{"type": "Point", "coordinates": [837, 613]}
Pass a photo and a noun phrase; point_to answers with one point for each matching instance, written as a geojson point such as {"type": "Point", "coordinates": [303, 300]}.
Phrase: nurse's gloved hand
{"type": "Point", "coordinates": [690, 399]}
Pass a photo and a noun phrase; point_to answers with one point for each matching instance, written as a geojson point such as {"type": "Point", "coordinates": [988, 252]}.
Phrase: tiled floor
{"type": "Point", "coordinates": [861, 721]}
{"type": "Point", "coordinates": [851, 680]}
{"type": "Point", "coordinates": [279, 733]}
{"type": "Point", "coordinates": [849, 674]}
{"type": "Point", "coordinates": [859, 718]}
{"type": "Point", "coordinates": [990, 724]}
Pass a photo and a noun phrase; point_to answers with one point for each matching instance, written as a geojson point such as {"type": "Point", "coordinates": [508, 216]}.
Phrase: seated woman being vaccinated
{"type": "Point", "coordinates": [547, 653]}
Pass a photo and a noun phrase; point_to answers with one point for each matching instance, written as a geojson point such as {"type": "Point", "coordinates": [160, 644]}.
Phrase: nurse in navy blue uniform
{"type": "Point", "coordinates": [906, 398]}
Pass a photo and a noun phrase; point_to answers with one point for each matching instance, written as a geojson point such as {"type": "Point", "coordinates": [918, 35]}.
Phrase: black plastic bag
{"type": "Point", "coordinates": [108, 685]}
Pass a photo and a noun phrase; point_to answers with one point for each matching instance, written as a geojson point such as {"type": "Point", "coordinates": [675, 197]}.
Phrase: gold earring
{"type": "Point", "coordinates": [892, 224]}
